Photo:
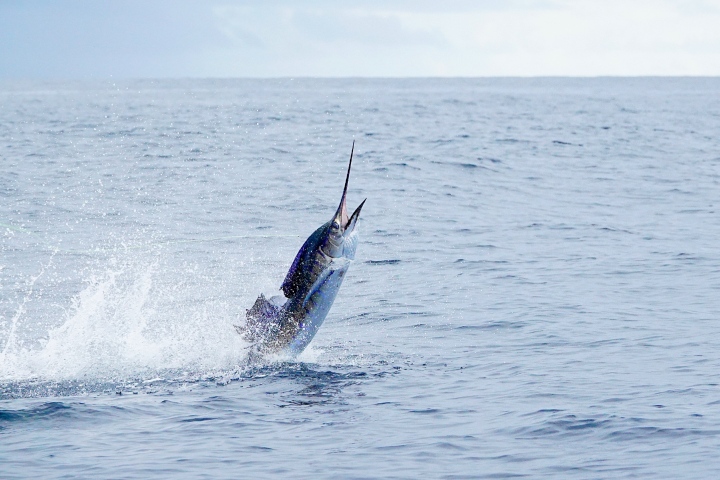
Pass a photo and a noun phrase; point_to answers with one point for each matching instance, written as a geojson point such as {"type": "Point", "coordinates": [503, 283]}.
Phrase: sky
{"type": "Point", "coordinates": [361, 38]}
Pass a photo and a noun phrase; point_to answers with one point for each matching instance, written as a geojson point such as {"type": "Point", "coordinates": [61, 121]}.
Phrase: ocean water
{"type": "Point", "coordinates": [536, 292]}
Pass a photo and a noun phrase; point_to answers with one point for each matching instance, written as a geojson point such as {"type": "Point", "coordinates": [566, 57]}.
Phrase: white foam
{"type": "Point", "coordinates": [125, 323]}
{"type": "Point", "coordinates": [311, 354]}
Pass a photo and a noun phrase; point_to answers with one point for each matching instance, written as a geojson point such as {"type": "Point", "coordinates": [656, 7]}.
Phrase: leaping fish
{"type": "Point", "coordinates": [287, 323]}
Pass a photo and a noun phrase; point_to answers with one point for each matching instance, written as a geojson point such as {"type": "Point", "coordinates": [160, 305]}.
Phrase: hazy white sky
{"type": "Point", "coordinates": [182, 38]}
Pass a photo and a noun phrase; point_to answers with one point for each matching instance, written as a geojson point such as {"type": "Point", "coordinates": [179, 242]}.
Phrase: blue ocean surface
{"type": "Point", "coordinates": [536, 291]}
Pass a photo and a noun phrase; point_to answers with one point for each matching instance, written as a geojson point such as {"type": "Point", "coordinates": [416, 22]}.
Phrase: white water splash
{"type": "Point", "coordinates": [11, 343]}
{"type": "Point", "coordinates": [127, 323]}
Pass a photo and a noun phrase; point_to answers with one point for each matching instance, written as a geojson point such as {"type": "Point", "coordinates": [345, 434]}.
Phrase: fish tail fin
{"type": "Point", "coordinates": [260, 320]}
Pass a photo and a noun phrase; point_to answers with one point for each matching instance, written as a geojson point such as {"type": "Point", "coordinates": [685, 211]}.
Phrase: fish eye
{"type": "Point", "coordinates": [336, 226]}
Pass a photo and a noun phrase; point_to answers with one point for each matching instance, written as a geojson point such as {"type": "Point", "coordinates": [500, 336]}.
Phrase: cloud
{"type": "Point", "coordinates": [289, 41]}
{"type": "Point", "coordinates": [360, 27]}
{"type": "Point", "coordinates": [164, 38]}
{"type": "Point", "coordinates": [86, 38]}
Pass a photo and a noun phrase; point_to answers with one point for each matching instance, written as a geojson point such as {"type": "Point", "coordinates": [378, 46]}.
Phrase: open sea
{"type": "Point", "coordinates": [536, 291]}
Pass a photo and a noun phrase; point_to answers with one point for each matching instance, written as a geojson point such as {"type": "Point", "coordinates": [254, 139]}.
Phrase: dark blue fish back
{"type": "Point", "coordinates": [297, 277]}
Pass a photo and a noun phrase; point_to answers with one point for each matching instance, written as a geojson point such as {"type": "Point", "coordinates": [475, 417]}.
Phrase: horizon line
{"type": "Point", "coordinates": [355, 77]}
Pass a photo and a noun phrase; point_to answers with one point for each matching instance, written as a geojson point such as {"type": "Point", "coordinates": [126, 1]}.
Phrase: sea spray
{"type": "Point", "coordinates": [125, 323]}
